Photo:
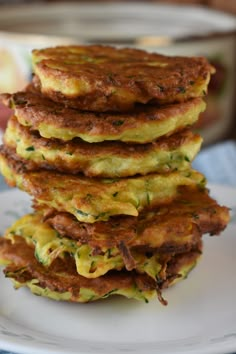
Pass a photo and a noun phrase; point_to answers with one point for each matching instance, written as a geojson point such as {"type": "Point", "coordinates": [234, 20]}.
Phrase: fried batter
{"type": "Point", "coordinates": [100, 78]}
{"type": "Point", "coordinates": [107, 159]}
{"type": "Point", "coordinates": [158, 228]}
{"type": "Point", "coordinates": [91, 200]}
{"type": "Point", "coordinates": [130, 242]}
{"type": "Point", "coordinates": [92, 262]}
{"type": "Point", "coordinates": [143, 125]}
{"type": "Point", "coordinates": [60, 281]}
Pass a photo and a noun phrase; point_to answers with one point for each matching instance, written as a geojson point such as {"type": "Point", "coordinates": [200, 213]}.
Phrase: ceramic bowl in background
{"type": "Point", "coordinates": [168, 29]}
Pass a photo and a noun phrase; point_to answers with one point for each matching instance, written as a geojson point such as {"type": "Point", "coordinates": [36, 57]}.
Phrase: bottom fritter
{"type": "Point", "coordinates": [123, 242]}
{"type": "Point", "coordinates": [60, 281]}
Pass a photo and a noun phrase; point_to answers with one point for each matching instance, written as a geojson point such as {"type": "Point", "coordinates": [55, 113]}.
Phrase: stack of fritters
{"type": "Point", "coordinates": [100, 139]}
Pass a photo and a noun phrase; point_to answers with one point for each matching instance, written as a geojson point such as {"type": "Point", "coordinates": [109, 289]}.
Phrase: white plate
{"type": "Point", "coordinates": [200, 317]}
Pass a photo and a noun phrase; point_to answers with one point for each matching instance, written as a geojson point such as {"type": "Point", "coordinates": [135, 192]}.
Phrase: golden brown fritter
{"type": "Point", "coordinates": [107, 159]}
{"type": "Point", "coordinates": [93, 262]}
{"type": "Point", "coordinates": [134, 243]}
{"type": "Point", "coordinates": [143, 125]}
{"type": "Point", "coordinates": [124, 241]}
{"type": "Point", "coordinates": [167, 228]}
{"type": "Point", "coordinates": [100, 78]}
{"type": "Point", "coordinates": [60, 281]}
{"type": "Point", "coordinates": [91, 200]}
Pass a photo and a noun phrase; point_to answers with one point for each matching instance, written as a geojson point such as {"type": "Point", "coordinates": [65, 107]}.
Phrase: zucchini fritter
{"type": "Point", "coordinates": [93, 262]}
{"type": "Point", "coordinates": [91, 200]}
{"type": "Point", "coordinates": [151, 229]}
{"type": "Point", "coordinates": [107, 159]}
{"type": "Point", "coordinates": [100, 139]}
{"type": "Point", "coordinates": [143, 125]}
{"type": "Point", "coordinates": [100, 78]}
{"type": "Point", "coordinates": [133, 243]}
{"type": "Point", "coordinates": [60, 281]}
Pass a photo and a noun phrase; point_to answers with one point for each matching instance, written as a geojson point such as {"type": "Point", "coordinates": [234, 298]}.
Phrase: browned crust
{"type": "Point", "coordinates": [13, 160]}
{"type": "Point", "coordinates": [161, 229]}
{"type": "Point", "coordinates": [61, 276]}
{"type": "Point", "coordinates": [36, 109]}
{"type": "Point", "coordinates": [91, 199]}
{"type": "Point", "coordinates": [178, 262]}
{"type": "Point", "coordinates": [106, 148]}
{"type": "Point", "coordinates": [126, 69]}
{"type": "Point", "coordinates": [97, 150]}
{"type": "Point", "coordinates": [192, 207]}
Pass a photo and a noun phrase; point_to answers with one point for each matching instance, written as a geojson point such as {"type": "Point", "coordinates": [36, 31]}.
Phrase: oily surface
{"type": "Point", "coordinates": [91, 200]}
{"type": "Point", "coordinates": [107, 159]}
{"type": "Point", "coordinates": [151, 229]}
{"type": "Point", "coordinates": [60, 281]}
{"type": "Point", "coordinates": [142, 125]}
{"type": "Point", "coordinates": [100, 78]}
{"type": "Point", "coordinates": [91, 262]}
{"type": "Point", "coordinates": [124, 242]}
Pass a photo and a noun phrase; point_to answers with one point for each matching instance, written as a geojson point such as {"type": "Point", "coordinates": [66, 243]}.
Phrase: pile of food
{"type": "Point", "coordinates": [101, 140]}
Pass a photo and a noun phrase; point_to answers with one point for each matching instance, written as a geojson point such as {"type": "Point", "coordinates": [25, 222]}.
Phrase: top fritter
{"type": "Point", "coordinates": [101, 78]}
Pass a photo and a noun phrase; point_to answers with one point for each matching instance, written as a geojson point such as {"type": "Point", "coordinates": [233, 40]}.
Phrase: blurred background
{"type": "Point", "coordinates": [177, 27]}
